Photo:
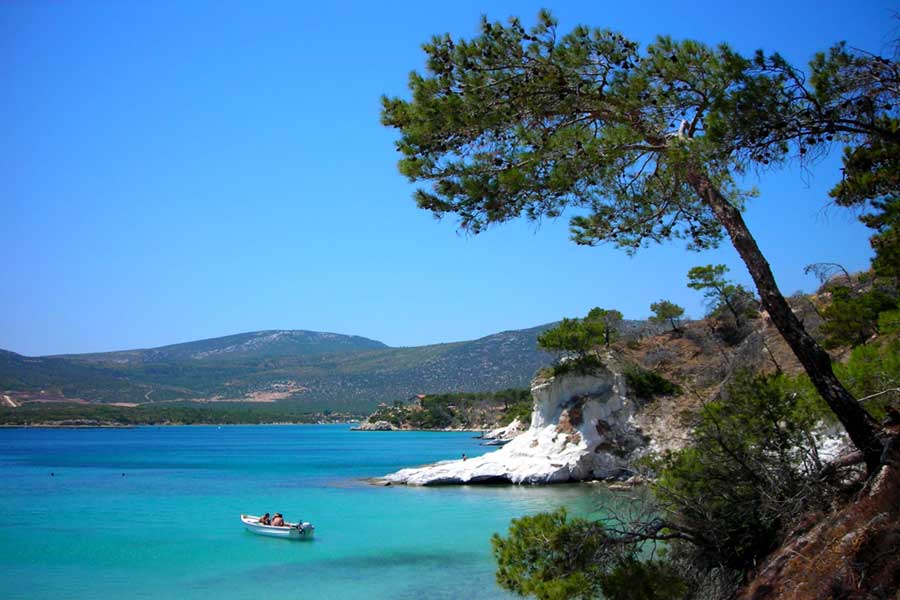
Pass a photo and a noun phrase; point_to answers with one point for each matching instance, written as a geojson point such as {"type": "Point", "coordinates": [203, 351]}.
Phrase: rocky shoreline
{"type": "Point", "coordinates": [582, 429]}
{"type": "Point", "coordinates": [385, 426]}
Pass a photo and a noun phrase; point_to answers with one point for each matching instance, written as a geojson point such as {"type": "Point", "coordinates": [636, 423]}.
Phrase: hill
{"type": "Point", "coordinates": [242, 346]}
{"type": "Point", "coordinates": [310, 370]}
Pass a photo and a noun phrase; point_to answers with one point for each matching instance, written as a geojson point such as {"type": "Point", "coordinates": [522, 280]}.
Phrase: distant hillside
{"type": "Point", "coordinates": [242, 346]}
{"type": "Point", "coordinates": [320, 371]}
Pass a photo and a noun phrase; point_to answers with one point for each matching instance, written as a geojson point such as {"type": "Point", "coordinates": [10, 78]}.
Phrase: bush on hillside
{"type": "Point", "coordinates": [748, 476]}
{"type": "Point", "coordinates": [554, 557]}
{"type": "Point", "coordinates": [852, 316]}
{"type": "Point", "coordinates": [646, 384]}
{"type": "Point", "coordinates": [725, 502]}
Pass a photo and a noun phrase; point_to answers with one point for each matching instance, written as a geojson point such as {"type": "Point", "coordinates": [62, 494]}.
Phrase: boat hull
{"type": "Point", "coordinates": [291, 531]}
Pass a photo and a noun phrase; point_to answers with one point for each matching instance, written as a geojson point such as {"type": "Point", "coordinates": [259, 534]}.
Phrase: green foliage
{"type": "Point", "coordinates": [875, 368]}
{"type": "Point", "coordinates": [647, 145]}
{"type": "Point", "coordinates": [553, 557]}
{"type": "Point", "coordinates": [434, 414]}
{"type": "Point", "coordinates": [175, 413]}
{"type": "Point", "coordinates": [751, 472]}
{"type": "Point", "coordinates": [526, 122]}
{"type": "Point", "coordinates": [518, 122]}
{"type": "Point", "coordinates": [748, 475]}
{"type": "Point", "coordinates": [722, 295]}
{"type": "Point", "coordinates": [871, 172]}
{"type": "Point", "coordinates": [521, 410]}
{"type": "Point", "coordinates": [634, 579]}
{"type": "Point", "coordinates": [580, 336]}
{"type": "Point", "coordinates": [610, 321]}
{"type": "Point", "coordinates": [463, 410]}
{"type": "Point", "coordinates": [885, 220]}
{"type": "Point", "coordinates": [731, 306]}
{"type": "Point", "coordinates": [889, 322]}
{"type": "Point", "coordinates": [872, 176]}
{"type": "Point", "coordinates": [548, 556]}
{"type": "Point", "coordinates": [871, 165]}
{"type": "Point", "coordinates": [648, 384]}
{"type": "Point", "coordinates": [573, 336]}
{"type": "Point", "coordinates": [586, 364]}
{"type": "Point", "coordinates": [355, 380]}
{"type": "Point", "coordinates": [886, 240]}
{"type": "Point", "coordinates": [852, 317]}
{"type": "Point", "coordinates": [665, 311]}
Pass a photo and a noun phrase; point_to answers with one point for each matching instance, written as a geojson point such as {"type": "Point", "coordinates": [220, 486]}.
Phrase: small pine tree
{"type": "Point", "coordinates": [667, 312]}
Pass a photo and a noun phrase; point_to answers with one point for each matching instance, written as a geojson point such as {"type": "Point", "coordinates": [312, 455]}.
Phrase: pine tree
{"type": "Point", "coordinates": [646, 144]}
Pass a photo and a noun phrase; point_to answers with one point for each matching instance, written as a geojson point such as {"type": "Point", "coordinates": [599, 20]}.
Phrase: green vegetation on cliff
{"type": "Point", "coordinates": [648, 144]}
{"type": "Point", "coordinates": [461, 410]}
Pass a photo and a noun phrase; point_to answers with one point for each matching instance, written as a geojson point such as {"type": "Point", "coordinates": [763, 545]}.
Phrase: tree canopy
{"type": "Point", "coordinates": [723, 296]}
{"type": "Point", "coordinates": [580, 336]}
{"type": "Point", "coordinates": [609, 319]}
{"type": "Point", "coordinates": [665, 311]}
{"type": "Point", "coordinates": [643, 145]}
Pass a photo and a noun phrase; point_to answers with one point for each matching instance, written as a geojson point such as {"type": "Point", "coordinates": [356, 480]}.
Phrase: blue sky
{"type": "Point", "coordinates": [172, 171]}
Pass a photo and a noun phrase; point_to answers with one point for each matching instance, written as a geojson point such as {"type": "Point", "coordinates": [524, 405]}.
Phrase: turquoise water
{"type": "Point", "coordinates": [153, 512]}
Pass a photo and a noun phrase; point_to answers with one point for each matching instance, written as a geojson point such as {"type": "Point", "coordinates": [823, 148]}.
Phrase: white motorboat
{"type": "Point", "coordinates": [292, 531]}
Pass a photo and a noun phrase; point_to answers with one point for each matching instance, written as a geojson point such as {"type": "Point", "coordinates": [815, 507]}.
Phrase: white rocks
{"type": "Point", "coordinates": [502, 435]}
{"type": "Point", "coordinates": [832, 442]}
{"type": "Point", "coordinates": [376, 426]}
{"type": "Point", "coordinates": [581, 429]}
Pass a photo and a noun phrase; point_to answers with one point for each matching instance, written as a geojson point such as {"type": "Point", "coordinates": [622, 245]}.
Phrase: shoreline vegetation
{"type": "Point", "coordinates": [110, 425]}
{"type": "Point", "coordinates": [458, 411]}
{"type": "Point", "coordinates": [60, 415]}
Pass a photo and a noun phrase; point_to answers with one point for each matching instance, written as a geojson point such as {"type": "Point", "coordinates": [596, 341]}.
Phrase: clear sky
{"type": "Point", "coordinates": [172, 171]}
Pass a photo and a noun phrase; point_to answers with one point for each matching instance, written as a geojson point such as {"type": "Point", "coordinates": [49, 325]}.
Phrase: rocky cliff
{"type": "Point", "coordinates": [582, 428]}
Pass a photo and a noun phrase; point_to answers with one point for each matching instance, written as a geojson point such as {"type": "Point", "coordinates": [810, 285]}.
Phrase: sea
{"type": "Point", "coordinates": [153, 512]}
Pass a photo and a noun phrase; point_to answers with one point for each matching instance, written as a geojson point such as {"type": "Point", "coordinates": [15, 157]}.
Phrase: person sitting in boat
{"type": "Point", "coordinates": [278, 520]}
{"type": "Point", "coordinates": [264, 520]}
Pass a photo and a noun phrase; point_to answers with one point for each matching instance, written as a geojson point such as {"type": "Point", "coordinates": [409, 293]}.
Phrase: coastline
{"type": "Point", "coordinates": [51, 425]}
{"type": "Point", "coordinates": [446, 430]}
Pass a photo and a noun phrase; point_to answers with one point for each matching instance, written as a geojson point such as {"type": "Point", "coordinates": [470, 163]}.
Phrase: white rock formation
{"type": "Point", "coordinates": [581, 429]}
{"type": "Point", "coordinates": [376, 426]}
{"type": "Point", "coordinates": [502, 435]}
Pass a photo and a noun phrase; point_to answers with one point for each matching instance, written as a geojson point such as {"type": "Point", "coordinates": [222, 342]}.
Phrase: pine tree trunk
{"type": "Point", "coordinates": [859, 424]}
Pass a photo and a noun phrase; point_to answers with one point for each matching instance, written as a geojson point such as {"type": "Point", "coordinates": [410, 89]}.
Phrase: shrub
{"type": "Point", "coordinates": [747, 476]}
{"type": "Point", "coordinates": [648, 384]}
{"type": "Point", "coordinates": [589, 363]}
{"type": "Point", "coordinates": [520, 410]}
{"type": "Point", "coordinates": [874, 369]}
{"type": "Point", "coordinates": [852, 318]}
{"type": "Point", "coordinates": [633, 579]}
{"type": "Point", "coordinates": [553, 557]}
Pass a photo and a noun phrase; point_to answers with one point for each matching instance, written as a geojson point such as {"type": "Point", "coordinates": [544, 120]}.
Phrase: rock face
{"type": "Point", "coordinates": [376, 426]}
{"type": "Point", "coordinates": [581, 428]}
{"type": "Point", "coordinates": [504, 435]}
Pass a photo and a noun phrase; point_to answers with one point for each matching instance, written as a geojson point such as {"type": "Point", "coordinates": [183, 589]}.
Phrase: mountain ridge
{"type": "Point", "coordinates": [234, 343]}
{"type": "Point", "coordinates": [314, 370]}
{"type": "Point", "coordinates": [321, 370]}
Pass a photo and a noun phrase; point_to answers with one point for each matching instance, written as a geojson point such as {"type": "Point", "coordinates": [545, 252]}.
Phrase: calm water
{"type": "Point", "coordinates": [169, 527]}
